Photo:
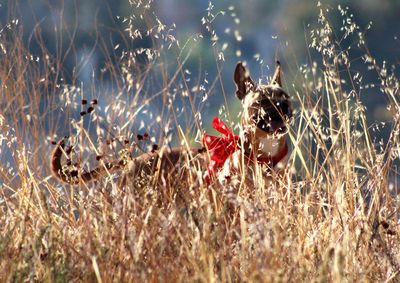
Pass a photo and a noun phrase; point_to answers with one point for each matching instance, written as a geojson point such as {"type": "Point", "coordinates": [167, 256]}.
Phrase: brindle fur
{"type": "Point", "coordinates": [267, 109]}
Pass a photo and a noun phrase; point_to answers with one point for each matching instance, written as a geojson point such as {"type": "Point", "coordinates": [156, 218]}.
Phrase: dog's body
{"type": "Point", "coordinates": [266, 110]}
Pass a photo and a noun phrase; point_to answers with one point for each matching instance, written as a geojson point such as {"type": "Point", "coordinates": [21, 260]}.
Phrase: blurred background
{"type": "Point", "coordinates": [87, 35]}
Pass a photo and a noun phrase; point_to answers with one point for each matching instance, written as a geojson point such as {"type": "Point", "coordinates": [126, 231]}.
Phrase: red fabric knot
{"type": "Point", "coordinates": [220, 148]}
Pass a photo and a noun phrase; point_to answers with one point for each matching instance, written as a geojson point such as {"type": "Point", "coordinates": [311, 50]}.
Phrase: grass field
{"type": "Point", "coordinates": [332, 217]}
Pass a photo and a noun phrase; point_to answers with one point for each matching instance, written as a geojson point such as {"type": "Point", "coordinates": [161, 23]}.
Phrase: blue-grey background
{"type": "Point", "coordinates": [269, 30]}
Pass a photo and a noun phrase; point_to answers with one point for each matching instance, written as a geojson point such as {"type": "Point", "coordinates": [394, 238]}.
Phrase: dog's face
{"type": "Point", "coordinates": [267, 107]}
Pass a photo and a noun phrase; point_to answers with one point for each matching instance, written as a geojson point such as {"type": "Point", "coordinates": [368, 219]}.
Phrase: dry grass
{"type": "Point", "coordinates": [333, 217]}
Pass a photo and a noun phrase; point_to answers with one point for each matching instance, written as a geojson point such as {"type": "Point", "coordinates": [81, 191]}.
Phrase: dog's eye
{"type": "Point", "coordinates": [260, 122]}
{"type": "Point", "coordinates": [255, 118]}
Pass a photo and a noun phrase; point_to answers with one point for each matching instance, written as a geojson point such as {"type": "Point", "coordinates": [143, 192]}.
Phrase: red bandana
{"type": "Point", "coordinates": [220, 148]}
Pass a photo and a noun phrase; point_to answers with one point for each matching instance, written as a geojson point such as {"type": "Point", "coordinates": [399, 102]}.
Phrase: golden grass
{"type": "Point", "coordinates": [331, 218]}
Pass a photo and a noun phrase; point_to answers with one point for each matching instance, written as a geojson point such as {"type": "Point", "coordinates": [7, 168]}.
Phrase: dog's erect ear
{"type": "Point", "coordinates": [243, 81]}
{"type": "Point", "coordinates": [276, 79]}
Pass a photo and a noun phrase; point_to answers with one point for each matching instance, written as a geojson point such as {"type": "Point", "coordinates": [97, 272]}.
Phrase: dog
{"type": "Point", "coordinates": [266, 114]}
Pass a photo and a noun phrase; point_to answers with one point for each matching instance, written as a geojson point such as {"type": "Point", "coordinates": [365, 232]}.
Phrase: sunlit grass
{"type": "Point", "coordinates": [331, 217]}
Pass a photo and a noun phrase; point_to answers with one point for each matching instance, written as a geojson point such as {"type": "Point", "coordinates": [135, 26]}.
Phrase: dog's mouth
{"type": "Point", "coordinates": [271, 127]}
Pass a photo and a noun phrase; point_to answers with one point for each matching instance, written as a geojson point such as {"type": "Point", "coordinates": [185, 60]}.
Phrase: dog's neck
{"type": "Point", "coordinates": [262, 145]}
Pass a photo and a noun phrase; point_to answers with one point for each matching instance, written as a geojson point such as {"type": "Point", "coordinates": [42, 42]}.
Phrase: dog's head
{"type": "Point", "coordinates": [267, 107]}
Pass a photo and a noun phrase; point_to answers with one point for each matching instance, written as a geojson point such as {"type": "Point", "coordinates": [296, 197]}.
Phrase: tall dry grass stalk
{"type": "Point", "coordinates": [333, 217]}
